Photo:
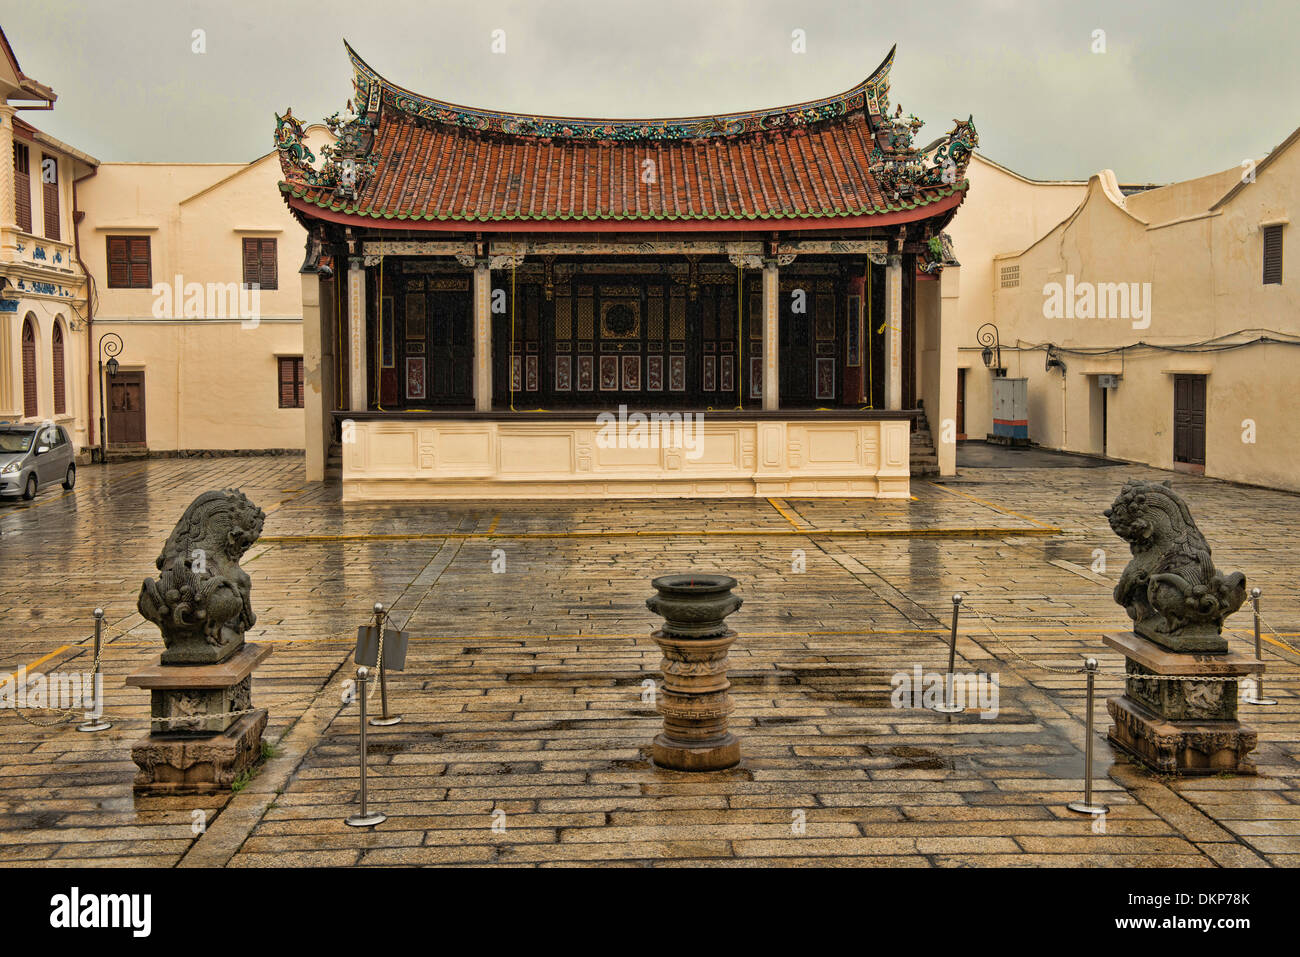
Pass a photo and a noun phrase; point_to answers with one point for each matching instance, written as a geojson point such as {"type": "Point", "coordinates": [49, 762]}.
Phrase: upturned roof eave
{"type": "Point", "coordinates": [308, 210]}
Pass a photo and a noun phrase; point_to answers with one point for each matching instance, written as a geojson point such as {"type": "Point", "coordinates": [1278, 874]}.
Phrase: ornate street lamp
{"type": "Point", "coordinates": [111, 348]}
{"type": "Point", "coordinates": [987, 336]}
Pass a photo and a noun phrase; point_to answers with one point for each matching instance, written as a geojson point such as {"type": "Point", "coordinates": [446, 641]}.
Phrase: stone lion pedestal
{"type": "Point", "coordinates": [1181, 727]}
{"type": "Point", "coordinates": [205, 732]}
{"type": "Point", "coordinates": [1178, 713]}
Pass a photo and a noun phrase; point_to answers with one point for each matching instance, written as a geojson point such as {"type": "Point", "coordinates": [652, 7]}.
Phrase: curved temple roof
{"type": "Point", "coordinates": [415, 162]}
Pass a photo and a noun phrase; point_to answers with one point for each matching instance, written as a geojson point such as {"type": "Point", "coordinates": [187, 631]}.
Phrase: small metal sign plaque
{"type": "Point", "coordinates": [368, 648]}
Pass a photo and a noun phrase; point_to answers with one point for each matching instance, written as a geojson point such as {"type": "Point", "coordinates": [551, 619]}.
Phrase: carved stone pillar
{"type": "Point", "coordinates": [694, 701]}
{"type": "Point", "coordinates": [894, 333]}
{"type": "Point", "coordinates": [482, 336]}
{"type": "Point", "coordinates": [357, 352]}
{"type": "Point", "coordinates": [314, 399]}
{"type": "Point", "coordinates": [771, 336]}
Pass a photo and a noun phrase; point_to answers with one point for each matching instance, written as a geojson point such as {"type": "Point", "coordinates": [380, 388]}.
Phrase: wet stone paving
{"type": "Point", "coordinates": [526, 735]}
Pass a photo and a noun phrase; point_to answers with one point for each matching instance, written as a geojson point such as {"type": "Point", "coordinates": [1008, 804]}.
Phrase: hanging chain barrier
{"type": "Point", "coordinates": [1054, 669]}
{"type": "Point", "coordinates": [94, 719]}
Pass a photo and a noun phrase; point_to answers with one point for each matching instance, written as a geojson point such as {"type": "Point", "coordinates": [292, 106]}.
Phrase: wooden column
{"type": "Point", "coordinates": [771, 336]}
{"type": "Point", "coordinates": [482, 337]}
{"type": "Point", "coordinates": [894, 333]}
{"type": "Point", "coordinates": [357, 354]}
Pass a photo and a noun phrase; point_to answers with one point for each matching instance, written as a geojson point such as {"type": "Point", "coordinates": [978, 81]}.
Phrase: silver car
{"type": "Point", "coordinates": [34, 456]}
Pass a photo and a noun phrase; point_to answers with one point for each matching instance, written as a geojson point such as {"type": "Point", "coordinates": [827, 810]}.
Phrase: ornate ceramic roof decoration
{"type": "Point", "coordinates": [903, 171]}
{"type": "Point", "coordinates": [404, 157]}
{"type": "Point", "coordinates": [872, 93]}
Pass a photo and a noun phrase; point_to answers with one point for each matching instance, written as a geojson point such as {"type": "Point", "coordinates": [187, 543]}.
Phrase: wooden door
{"type": "Point", "coordinates": [1189, 419]}
{"type": "Point", "coordinates": [961, 403]}
{"type": "Point", "coordinates": [810, 342]}
{"type": "Point", "coordinates": [29, 369]}
{"type": "Point", "coordinates": [126, 408]}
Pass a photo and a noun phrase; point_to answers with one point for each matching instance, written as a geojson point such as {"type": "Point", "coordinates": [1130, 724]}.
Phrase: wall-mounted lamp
{"type": "Point", "coordinates": [1054, 360]}
{"type": "Point", "coordinates": [987, 336]}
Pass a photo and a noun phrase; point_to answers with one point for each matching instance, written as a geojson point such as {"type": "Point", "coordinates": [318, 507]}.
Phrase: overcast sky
{"type": "Point", "coordinates": [1183, 88]}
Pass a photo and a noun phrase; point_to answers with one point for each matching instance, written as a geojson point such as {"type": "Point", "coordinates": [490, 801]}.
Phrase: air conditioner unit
{"type": "Point", "coordinates": [1108, 381]}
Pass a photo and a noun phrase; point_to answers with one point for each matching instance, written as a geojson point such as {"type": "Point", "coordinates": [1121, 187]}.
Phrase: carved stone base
{"type": "Point", "coordinates": [199, 698]}
{"type": "Point", "coordinates": [199, 741]}
{"type": "Point", "coordinates": [1185, 726]}
{"type": "Point", "coordinates": [1180, 747]}
{"type": "Point", "coordinates": [198, 764]}
{"type": "Point", "coordinates": [716, 755]}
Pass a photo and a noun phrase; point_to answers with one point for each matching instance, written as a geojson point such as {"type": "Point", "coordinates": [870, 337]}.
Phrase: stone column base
{"type": "Point", "coordinates": [1180, 747]}
{"type": "Point", "coordinates": [198, 764]}
{"type": "Point", "coordinates": [1186, 726]}
{"type": "Point", "coordinates": [696, 755]}
{"type": "Point", "coordinates": [200, 741]}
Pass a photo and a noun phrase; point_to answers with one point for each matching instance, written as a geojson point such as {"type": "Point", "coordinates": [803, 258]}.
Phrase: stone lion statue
{"type": "Point", "coordinates": [200, 601]}
{"type": "Point", "coordinates": [1171, 589]}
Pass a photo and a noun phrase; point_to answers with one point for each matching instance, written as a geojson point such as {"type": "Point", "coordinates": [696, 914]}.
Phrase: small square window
{"type": "Point", "coordinates": [129, 263]}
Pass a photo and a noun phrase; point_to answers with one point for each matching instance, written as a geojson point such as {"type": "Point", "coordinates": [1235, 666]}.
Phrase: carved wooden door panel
{"type": "Point", "coordinates": [126, 408]}
{"type": "Point", "coordinates": [1189, 419]}
{"type": "Point", "coordinates": [450, 344]}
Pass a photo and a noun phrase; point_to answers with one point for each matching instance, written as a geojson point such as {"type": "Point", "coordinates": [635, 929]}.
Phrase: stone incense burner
{"type": "Point", "coordinates": [694, 702]}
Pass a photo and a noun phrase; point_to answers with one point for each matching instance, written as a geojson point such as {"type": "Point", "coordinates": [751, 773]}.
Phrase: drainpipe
{"type": "Point", "coordinates": [77, 216]}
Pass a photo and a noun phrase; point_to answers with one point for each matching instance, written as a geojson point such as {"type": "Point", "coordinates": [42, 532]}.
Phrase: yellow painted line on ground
{"type": "Point", "coordinates": [997, 508]}
{"type": "Point", "coordinates": [493, 527]}
{"type": "Point", "coordinates": [33, 665]}
{"type": "Point", "coordinates": [972, 633]}
{"type": "Point", "coordinates": [964, 532]}
{"type": "Point", "coordinates": [787, 516]}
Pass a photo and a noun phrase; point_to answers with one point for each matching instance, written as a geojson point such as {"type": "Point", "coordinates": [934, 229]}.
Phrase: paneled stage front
{"type": "Point", "coordinates": [577, 455]}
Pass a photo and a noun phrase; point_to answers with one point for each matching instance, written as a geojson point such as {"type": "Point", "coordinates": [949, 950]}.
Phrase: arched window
{"type": "Point", "coordinates": [29, 368]}
{"type": "Point", "coordinates": [56, 355]}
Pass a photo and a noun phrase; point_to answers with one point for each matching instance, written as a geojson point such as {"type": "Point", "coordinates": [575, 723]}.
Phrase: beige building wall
{"type": "Point", "coordinates": [42, 278]}
{"type": "Point", "coordinates": [1205, 270]}
{"type": "Point", "coordinates": [1004, 212]}
{"type": "Point", "coordinates": [211, 370]}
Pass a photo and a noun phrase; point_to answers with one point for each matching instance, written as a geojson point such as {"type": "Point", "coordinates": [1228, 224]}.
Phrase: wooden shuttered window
{"type": "Point", "coordinates": [291, 382]}
{"type": "Point", "coordinates": [1273, 255]}
{"type": "Point", "coordinates": [56, 355]}
{"type": "Point", "coordinates": [260, 263]}
{"type": "Point", "coordinates": [29, 369]}
{"type": "Point", "coordinates": [129, 262]}
{"type": "Point", "coordinates": [23, 187]}
{"type": "Point", "coordinates": [50, 194]}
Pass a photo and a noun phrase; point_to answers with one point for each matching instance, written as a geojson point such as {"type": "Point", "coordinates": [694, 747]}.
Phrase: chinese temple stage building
{"type": "Point", "coordinates": [480, 286]}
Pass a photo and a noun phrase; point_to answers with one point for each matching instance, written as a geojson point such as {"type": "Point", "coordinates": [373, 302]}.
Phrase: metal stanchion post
{"type": "Point", "coordinates": [365, 818]}
{"type": "Point", "coordinates": [95, 721]}
{"type": "Point", "coordinates": [1086, 806]}
{"type": "Point", "coordinates": [949, 705]}
{"type": "Point", "coordinates": [384, 719]}
{"type": "Point", "coordinates": [1256, 694]}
